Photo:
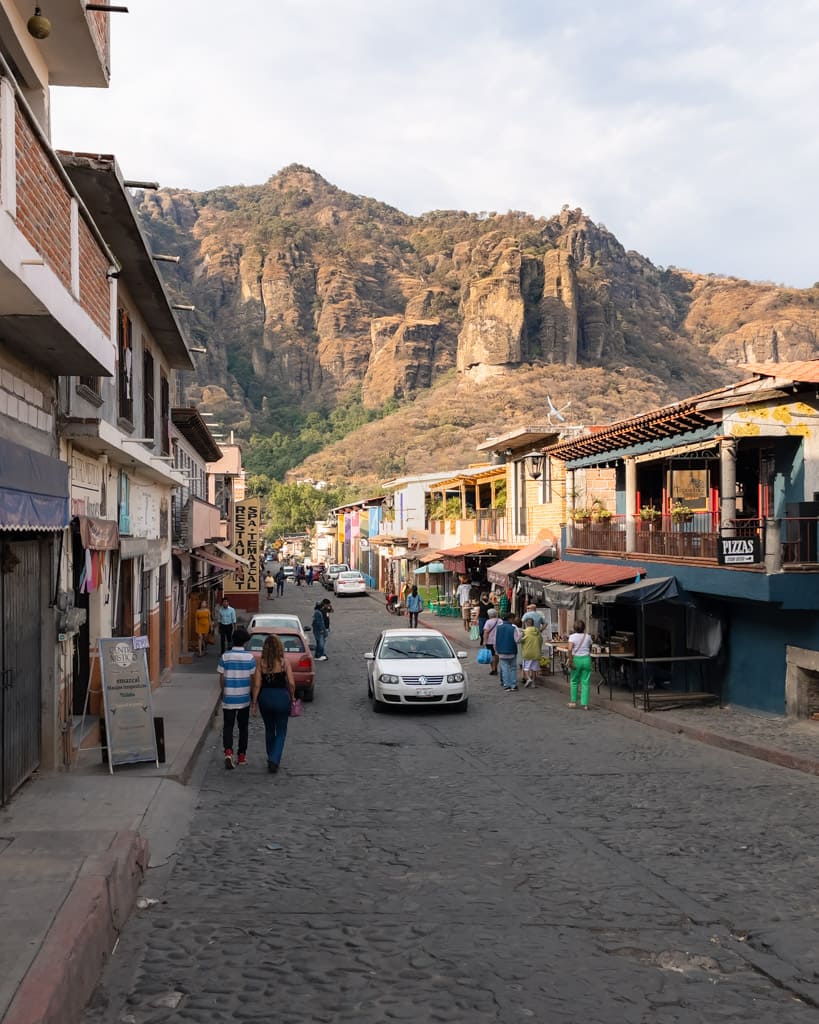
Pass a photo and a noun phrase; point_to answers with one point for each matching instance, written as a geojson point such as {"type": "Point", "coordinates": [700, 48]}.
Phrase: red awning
{"type": "Point", "coordinates": [586, 574]}
{"type": "Point", "coordinates": [501, 571]}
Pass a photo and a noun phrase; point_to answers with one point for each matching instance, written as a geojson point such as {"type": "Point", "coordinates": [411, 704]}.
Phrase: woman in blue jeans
{"type": "Point", "coordinates": [273, 692]}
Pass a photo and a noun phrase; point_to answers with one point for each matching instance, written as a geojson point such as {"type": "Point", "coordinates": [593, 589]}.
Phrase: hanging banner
{"type": "Point", "coordinates": [247, 521]}
{"type": "Point", "coordinates": [126, 694]}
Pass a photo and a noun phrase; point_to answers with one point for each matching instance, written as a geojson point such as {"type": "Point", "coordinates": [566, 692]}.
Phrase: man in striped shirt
{"type": "Point", "coordinates": [237, 670]}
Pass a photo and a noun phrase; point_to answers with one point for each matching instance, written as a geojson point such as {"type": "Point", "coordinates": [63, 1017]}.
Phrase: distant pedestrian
{"type": "Point", "coordinates": [270, 583]}
{"type": "Point", "coordinates": [326, 611]}
{"type": "Point", "coordinates": [507, 636]}
{"type": "Point", "coordinates": [533, 616]}
{"type": "Point", "coordinates": [280, 578]}
{"type": "Point", "coordinates": [531, 650]}
{"type": "Point", "coordinates": [504, 604]}
{"type": "Point", "coordinates": [227, 620]}
{"type": "Point", "coordinates": [319, 632]}
{"type": "Point", "coordinates": [274, 690]}
{"type": "Point", "coordinates": [204, 625]}
{"type": "Point", "coordinates": [238, 674]}
{"type": "Point", "coordinates": [484, 604]}
{"type": "Point", "coordinates": [488, 637]}
{"type": "Point", "coordinates": [464, 594]}
{"type": "Point", "coordinates": [414, 605]}
{"type": "Point", "coordinates": [580, 655]}
{"type": "Point", "coordinates": [301, 576]}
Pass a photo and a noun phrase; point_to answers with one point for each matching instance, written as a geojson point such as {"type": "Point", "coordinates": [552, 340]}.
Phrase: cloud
{"type": "Point", "coordinates": [687, 129]}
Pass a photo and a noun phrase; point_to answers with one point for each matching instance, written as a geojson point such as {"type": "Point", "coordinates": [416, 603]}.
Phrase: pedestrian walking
{"type": "Point", "coordinates": [204, 625]}
{"type": "Point", "coordinates": [507, 636]}
{"type": "Point", "coordinates": [280, 578]}
{"type": "Point", "coordinates": [531, 650]}
{"type": "Point", "coordinates": [414, 605]}
{"type": "Point", "coordinates": [581, 665]}
{"type": "Point", "coordinates": [238, 674]}
{"type": "Point", "coordinates": [310, 576]}
{"type": "Point", "coordinates": [300, 576]}
{"type": "Point", "coordinates": [319, 632]}
{"type": "Point", "coordinates": [464, 594]}
{"type": "Point", "coordinates": [484, 604]}
{"type": "Point", "coordinates": [274, 690]}
{"type": "Point", "coordinates": [270, 583]}
{"type": "Point", "coordinates": [533, 617]}
{"type": "Point", "coordinates": [326, 611]}
{"type": "Point", "coordinates": [488, 637]}
{"type": "Point", "coordinates": [227, 620]}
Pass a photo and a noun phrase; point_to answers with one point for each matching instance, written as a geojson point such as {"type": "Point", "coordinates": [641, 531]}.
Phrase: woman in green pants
{"type": "Point", "coordinates": [580, 653]}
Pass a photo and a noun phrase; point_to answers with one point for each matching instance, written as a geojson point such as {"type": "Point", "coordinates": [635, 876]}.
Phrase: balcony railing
{"type": "Point", "coordinates": [695, 537]}
{"type": "Point", "coordinates": [491, 524]}
{"type": "Point", "coordinates": [54, 259]}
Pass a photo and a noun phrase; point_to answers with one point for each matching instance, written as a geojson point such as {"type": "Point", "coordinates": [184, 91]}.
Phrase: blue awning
{"type": "Point", "coordinates": [433, 567]}
{"type": "Point", "coordinates": [33, 490]}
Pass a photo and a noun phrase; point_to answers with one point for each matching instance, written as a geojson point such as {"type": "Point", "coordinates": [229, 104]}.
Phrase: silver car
{"type": "Point", "coordinates": [416, 667]}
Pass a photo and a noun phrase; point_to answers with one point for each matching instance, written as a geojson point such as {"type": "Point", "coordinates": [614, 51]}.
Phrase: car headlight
{"type": "Point", "coordinates": [384, 678]}
{"type": "Point", "coordinates": [456, 677]}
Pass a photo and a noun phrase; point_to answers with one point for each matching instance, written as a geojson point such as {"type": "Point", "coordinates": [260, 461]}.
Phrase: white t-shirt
{"type": "Point", "coordinates": [464, 593]}
{"type": "Point", "coordinates": [581, 643]}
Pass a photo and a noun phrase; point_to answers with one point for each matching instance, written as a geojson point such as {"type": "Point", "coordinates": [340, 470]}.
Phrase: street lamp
{"type": "Point", "coordinates": [535, 466]}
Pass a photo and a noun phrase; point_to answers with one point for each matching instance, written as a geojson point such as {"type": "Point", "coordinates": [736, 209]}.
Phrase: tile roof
{"type": "Point", "coordinates": [803, 372]}
{"type": "Point", "coordinates": [586, 574]}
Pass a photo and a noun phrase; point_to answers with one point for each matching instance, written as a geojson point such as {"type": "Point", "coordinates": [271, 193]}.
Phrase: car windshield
{"type": "Point", "coordinates": [292, 643]}
{"type": "Point", "coordinates": [265, 621]}
{"type": "Point", "coordinates": [396, 648]}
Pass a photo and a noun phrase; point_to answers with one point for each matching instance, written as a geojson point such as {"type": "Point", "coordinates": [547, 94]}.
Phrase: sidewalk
{"type": "Point", "coordinates": [74, 848]}
{"type": "Point", "coordinates": [782, 741]}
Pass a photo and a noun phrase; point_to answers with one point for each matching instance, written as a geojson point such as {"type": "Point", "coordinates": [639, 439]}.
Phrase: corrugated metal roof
{"type": "Point", "coordinates": [585, 574]}
{"type": "Point", "coordinates": [805, 371]}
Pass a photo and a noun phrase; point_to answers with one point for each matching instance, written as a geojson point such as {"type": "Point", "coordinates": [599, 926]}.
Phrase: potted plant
{"type": "Point", "coordinates": [650, 516]}
{"type": "Point", "coordinates": [681, 513]}
{"type": "Point", "coordinates": [580, 515]}
{"type": "Point", "coordinates": [599, 512]}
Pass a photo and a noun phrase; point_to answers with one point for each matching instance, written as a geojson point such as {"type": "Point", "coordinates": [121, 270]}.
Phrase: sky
{"type": "Point", "coordinates": [689, 129]}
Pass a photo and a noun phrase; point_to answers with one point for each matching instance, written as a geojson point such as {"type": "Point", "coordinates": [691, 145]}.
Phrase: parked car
{"type": "Point", "coordinates": [297, 653]}
{"type": "Point", "coordinates": [270, 620]}
{"type": "Point", "coordinates": [416, 667]}
{"type": "Point", "coordinates": [329, 576]}
{"type": "Point", "coordinates": [289, 572]}
{"type": "Point", "coordinates": [347, 583]}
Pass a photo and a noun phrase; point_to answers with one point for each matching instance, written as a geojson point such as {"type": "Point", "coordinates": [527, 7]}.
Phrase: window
{"type": "Point", "coordinates": [148, 416]}
{"type": "Point", "coordinates": [165, 413]}
{"type": "Point", "coordinates": [125, 353]}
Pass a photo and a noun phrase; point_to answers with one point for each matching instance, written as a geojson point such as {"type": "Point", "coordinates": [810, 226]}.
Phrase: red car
{"type": "Point", "coordinates": [297, 653]}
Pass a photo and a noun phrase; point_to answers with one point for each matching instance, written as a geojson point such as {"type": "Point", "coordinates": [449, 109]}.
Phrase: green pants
{"type": "Point", "coordinates": [581, 675]}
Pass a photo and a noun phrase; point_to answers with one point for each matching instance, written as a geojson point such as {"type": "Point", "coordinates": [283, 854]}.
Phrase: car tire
{"type": "Point", "coordinates": [307, 695]}
{"type": "Point", "coordinates": [378, 707]}
{"type": "Point", "coordinates": [462, 707]}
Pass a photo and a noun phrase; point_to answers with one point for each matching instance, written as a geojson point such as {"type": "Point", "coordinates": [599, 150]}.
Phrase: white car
{"type": "Point", "coordinates": [347, 583]}
{"type": "Point", "coordinates": [289, 572]}
{"type": "Point", "coordinates": [416, 666]}
{"type": "Point", "coordinates": [271, 620]}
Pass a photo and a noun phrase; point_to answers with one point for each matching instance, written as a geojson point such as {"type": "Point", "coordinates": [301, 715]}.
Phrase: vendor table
{"type": "Point", "coordinates": [669, 699]}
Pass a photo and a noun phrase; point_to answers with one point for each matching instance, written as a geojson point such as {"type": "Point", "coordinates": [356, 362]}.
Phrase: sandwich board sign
{"type": "Point", "coordinates": [126, 693]}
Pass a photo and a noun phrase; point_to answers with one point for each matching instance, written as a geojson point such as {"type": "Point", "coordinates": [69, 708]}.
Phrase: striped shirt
{"type": "Point", "coordinates": [238, 667]}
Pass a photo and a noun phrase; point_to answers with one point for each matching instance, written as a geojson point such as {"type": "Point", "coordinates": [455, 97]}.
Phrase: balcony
{"type": "Point", "coordinates": [55, 294]}
{"type": "Point", "coordinates": [492, 524]}
{"type": "Point", "coordinates": [78, 51]}
{"type": "Point", "coordinates": [450, 533]}
{"type": "Point", "coordinates": [694, 539]}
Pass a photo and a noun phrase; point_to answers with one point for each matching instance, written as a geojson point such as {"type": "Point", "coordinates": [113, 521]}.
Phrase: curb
{"type": "Point", "coordinates": [182, 767]}
{"type": "Point", "coordinates": [68, 965]}
{"type": "Point", "coordinates": [773, 755]}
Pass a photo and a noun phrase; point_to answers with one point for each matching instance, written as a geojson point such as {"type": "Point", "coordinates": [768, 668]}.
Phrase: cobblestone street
{"type": "Point", "coordinates": [520, 862]}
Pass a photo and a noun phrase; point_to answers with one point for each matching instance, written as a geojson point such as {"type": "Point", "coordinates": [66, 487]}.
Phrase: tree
{"type": "Point", "coordinates": [293, 508]}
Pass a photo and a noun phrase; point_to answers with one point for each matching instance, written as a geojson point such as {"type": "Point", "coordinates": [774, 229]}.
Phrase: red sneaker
{"type": "Point", "coordinates": [229, 759]}
{"type": "Point", "coordinates": [241, 759]}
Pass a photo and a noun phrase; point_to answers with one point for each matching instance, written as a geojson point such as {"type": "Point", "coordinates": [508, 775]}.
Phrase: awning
{"type": "Point", "coordinates": [98, 534]}
{"type": "Point", "coordinates": [501, 571]}
{"type": "Point", "coordinates": [433, 567]}
{"type": "Point", "coordinates": [33, 490]}
{"type": "Point", "coordinates": [387, 540]}
{"type": "Point", "coordinates": [211, 559]}
{"type": "Point", "coordinates": [663, 588]}
{"type": "Point", "coordinates": [562, 595]}
{"type": "Point", "coordinates": [589, 574]}
{"type": "Point", "coordinates": [430, 555]}
{"type": "Point", "coordinates": [229, 553]}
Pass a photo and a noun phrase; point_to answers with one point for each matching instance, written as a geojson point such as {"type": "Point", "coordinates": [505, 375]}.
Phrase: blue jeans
{"type": "Point", "coordinates": [321, 640]}
{"type": "Point", "coordinates": [509, 673]}
{"type": "Point", "coordinates": [274, 705]}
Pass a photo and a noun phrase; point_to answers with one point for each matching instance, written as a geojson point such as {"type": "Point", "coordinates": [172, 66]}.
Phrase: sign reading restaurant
{"type": "Point", "coordinates": [738, 551]}
{"type": "Point", "coordinates": [247, 522]}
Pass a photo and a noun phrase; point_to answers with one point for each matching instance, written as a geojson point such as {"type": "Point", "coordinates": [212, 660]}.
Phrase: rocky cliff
{"type": "Point", "coordinates": [308, 297]}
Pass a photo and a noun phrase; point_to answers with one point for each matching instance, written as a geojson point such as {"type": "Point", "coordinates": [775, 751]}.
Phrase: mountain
{"type": "Point", "coordinates": [310, 299]}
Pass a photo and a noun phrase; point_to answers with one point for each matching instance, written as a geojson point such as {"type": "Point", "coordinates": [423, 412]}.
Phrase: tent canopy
{"type": "Point", "coordinates": [433, 567]}
{"type": "Point", "coordinates": [648, 591]}
{"type": "Point", "coordinates": [501, 571]}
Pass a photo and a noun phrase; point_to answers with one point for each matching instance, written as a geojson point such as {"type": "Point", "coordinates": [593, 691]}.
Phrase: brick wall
{"type": "Point", "coordinates": [98, 22]}
{"type": "Point", "coordinates": [95, 297]}
{"type": "Point", "coordinates": [43, 203]}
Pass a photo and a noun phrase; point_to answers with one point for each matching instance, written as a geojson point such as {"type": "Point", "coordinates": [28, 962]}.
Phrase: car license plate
{"type": "Point", "coordinates": [424, 693]}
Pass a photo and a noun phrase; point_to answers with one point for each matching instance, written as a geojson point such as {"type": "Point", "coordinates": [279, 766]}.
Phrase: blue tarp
{"type": "Point", "coordinates": [433, 567]}
{"type": "Point", "coordinates": [663, 588]}
{"type": "Point", "coordinates": [33, 490]}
